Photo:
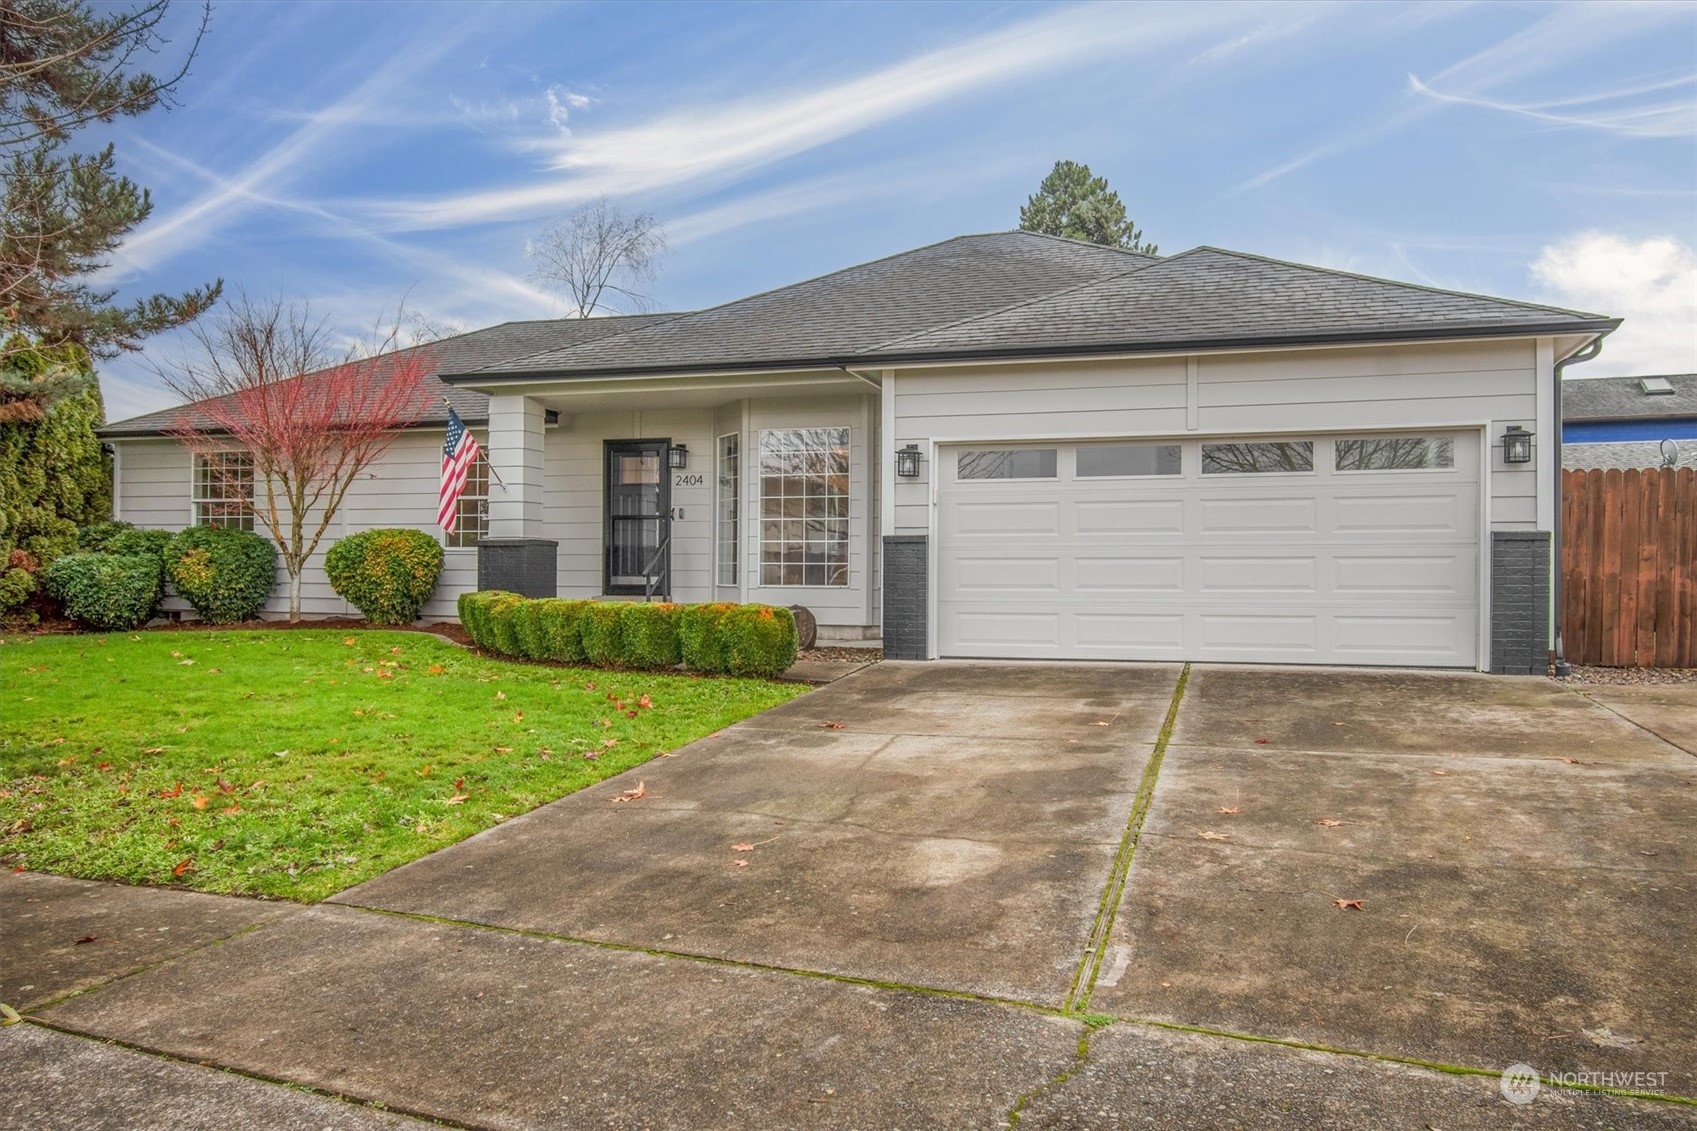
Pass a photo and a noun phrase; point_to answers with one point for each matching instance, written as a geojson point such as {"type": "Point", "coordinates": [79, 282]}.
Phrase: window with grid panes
{"type": "Point", "coordinates": [804, 506]}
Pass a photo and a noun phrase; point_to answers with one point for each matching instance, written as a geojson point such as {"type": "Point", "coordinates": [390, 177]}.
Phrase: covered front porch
{"type": "Point", "coordinates": [723, 488]}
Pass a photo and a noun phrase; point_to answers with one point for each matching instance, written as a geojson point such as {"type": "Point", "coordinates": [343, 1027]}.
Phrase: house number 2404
{"type": "Point", "coordinates": [688, 480]}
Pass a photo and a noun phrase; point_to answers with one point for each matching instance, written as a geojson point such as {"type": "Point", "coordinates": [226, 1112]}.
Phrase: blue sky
{"type": "Point", "coordinates": [350, 154]}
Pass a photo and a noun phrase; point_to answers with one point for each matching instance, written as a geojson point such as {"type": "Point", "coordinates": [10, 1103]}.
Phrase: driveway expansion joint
{"type": "Point", "coordinates": [1393, 1058]}
{"type": "Point", "coordinates": [1651, 731]}
{"type": "Point", "coordinates": [735, 963]}
{"type": "Point", "coordinates": [348, 1098]}
{"type": "Point", "coordinates": [1090, 965]}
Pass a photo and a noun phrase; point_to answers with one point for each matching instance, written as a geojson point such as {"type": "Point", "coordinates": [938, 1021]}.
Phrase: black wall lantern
{"type": "Point", "coordinates": [1517, 445]}
{"type": "Point", "coordinates": [677, 457]}
{"type": "Point", "coordinates": [907, 462]}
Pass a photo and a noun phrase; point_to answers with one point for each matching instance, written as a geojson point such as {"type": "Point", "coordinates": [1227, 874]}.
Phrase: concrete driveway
{"type": "Point", "coordinates": [963, 894]}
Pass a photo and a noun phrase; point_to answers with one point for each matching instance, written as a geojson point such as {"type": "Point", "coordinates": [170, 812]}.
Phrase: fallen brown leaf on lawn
{"type": "Point", "coordinates": [1229, 810]}
{"type": "Point", "coordinates": [348, 640]}
{"type": "Point", "coordinates": [1327, 822]}
{"type": "Point", "coordinates": [606, 722]}
{"type": "Point", "coordinates": [1212, 835]}
{"type": "Point", "coordinates": [609, 743]}
{"type": "Point", "coordinates": [1348, 904]}
{"type": "Point", "coordinates": [633, 713]}
{"type": "Point", "coordinates": [156, 749]}
{"type": "Point", "coordinates": [424, 773]}
{"type": "Point", "coordinates": [645, 701]}
{"type": "Point", "coordinates": [183, 867]}
{"type": "Point", "coordinates": [457, 798]}
{"type": "Point", "coordinates": [436, 669]}
{"type": "Point", "coordinates": [225, 787]}
{"type": "Point", "coordinates": [394, 651]}
{"type": "Point", "coordinates": [589, 687]}
{"type": "Point", "coordinates": [231, 810]}
{"type": "Point", "coordinates": [503, 749]}
{"type": "Point", "coordinates": [198, 801]}
{"type": "Point", "coordinates": [640, 791]}
{"type": "Point", "coordinates": [500, 695]}
{"type": "Point", "coordinates": [519, 717]}
{"type": "Point", "coordinates": [592, 754]}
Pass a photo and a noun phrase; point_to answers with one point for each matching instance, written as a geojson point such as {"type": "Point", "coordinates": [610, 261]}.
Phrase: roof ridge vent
{"type": "Point", "coordinates": [1655, 386]}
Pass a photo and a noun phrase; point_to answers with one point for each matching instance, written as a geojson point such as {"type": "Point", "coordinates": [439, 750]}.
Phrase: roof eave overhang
{"type": "Point", "coordinates": [171, 433]}
{"type": "Point", "coordinates": [876, 359]}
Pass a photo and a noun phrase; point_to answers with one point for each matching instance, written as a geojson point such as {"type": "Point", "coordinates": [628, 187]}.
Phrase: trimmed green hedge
{"type": "Point", "coordinates": [225, 574]}
{"type": "Point", "coordinates": [387, 575]}
{"type": "Point", "coordinates": [747, 640]}
{"type": "Point", "coordinates": [107, 592]}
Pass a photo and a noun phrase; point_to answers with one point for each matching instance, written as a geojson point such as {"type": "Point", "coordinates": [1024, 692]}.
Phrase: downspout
{"type": "Point", "coordinates": [1563, 668]}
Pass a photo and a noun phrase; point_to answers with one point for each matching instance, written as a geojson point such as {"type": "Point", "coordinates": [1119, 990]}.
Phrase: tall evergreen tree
{"type": "Point", "coordinates": [65, 64]}
{"type": "Point", "coordinates": [1074, 203]}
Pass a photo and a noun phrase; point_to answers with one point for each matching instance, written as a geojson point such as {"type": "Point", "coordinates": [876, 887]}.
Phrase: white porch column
{"type": "Point", "coordinates": [515, 457]}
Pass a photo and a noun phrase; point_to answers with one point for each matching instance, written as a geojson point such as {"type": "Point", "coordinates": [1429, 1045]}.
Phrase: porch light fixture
{"type": "Point", "coordinates": [1517, 445]}
{"type": "Point", "coordinates": [907, 462]}
{"type": "Point", "coordinates": [677, 457]}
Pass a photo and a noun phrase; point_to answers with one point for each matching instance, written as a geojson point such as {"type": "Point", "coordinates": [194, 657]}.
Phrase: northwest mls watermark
{"type": "Point", "coordinates": [1521, 1083]}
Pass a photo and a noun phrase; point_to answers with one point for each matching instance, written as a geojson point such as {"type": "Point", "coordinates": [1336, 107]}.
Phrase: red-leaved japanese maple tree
{"type": "Point", "coordinates": [261, 380]}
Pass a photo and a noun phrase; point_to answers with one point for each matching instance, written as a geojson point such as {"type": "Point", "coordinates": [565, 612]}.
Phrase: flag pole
{"type": "Point", "coordinates": [489, 463]}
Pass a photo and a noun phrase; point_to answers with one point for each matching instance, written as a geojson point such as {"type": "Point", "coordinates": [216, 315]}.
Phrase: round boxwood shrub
{"type": "Point", "coordinates": [107, 592]}
{"type": "Point", "coordinates": [562, 628]}
{"type": "Point", "coordinates": [602, 624]}
{"type": "Point", "coordinates": [387, 575]}
{"type": "Point", "coordinates": [223, 573]}
{"type": "Point", "coordinates": [760, 640]}
{"type": "Point", "coordinates": [700, 638]}
{"type": "Point", "coordinates": [651, 636]}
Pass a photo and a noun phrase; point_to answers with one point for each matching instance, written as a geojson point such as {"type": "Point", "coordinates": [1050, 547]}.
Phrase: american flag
{"type": "Point", "coordinates": [459, 452]}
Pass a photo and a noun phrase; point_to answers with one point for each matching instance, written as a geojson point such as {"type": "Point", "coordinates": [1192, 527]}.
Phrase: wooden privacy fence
{"type": "Point", "coordinates": [1629, 567]}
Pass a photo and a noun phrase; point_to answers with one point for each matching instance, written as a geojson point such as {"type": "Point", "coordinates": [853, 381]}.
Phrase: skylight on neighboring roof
{"type": "Point", "coordinates": [1655, 386]}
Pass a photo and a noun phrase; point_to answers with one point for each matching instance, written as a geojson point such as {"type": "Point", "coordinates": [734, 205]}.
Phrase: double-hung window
{"type": "Point", "coordinates": [223, 490]}
{"type": "Point", "coordinates": [804, 506]}
{"type": "Point", "coordinates": [471, 513]}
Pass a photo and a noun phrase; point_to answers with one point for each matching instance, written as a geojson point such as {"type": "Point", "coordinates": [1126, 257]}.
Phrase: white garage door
{"type": "Point", "coordinates": [1330, 549]}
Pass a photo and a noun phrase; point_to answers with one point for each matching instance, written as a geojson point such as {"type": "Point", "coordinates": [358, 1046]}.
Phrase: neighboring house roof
{"type": "Point", "coordinates": [475, 349]}
{"type": "Point", "coordinates": [1019, 294]}
{"type": "Point", "coordinates": [1626, 398]}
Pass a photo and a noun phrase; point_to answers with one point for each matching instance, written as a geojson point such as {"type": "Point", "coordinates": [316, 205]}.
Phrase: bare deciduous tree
{"type": "Point", "coordinates": [599, 252]}
{"type": "Point", "coordinates": [262, 380]}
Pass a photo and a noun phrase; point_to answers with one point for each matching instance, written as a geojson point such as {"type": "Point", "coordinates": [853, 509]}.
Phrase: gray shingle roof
{"type": "Point", "coordinates": [849, 312]}
{"type": "Point", "coordinates": [1015, 294]}
{"type": "Point", "coordinates": [1623, 398]}
{"type": "Point", "coordinates": [1209, 296]}
{"type": "Point", "coordinates": [472, 350]}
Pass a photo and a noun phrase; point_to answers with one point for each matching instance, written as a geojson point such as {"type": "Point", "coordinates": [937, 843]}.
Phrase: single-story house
{"type": "Point", "coordinates": [1628, 422]}
{"type": "Point", "coordinates": [1016, 446]}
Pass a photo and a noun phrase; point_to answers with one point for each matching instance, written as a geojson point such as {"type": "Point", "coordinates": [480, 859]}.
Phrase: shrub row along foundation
{"type": "Point", "coordinates": [720, 639]}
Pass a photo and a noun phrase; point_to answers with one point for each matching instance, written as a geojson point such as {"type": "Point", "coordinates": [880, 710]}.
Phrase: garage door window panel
{"type": "Point", "coordinates": [1125, 461]}
{"type": "Point", "coordinates": [1007, 463]}
{"type": "Point", "coordinates": [1258, 457]}
{"type": "Point", "coordinates": [1394, 453]}
{"type": "Point", "coordinates": [804, 505]}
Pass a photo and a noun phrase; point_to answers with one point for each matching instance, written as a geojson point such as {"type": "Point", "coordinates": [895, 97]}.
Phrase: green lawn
{"type": "Point", "coordinates": [295, 763]}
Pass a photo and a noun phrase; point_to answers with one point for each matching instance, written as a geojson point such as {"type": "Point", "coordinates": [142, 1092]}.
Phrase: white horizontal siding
{"type": "Point", "coordinates": [1384, 387]}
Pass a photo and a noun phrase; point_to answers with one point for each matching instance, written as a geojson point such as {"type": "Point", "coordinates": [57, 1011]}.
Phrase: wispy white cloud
{"type": "Point", "coordinates": [1673, 118]}
{"type": "Point", "coordinates": [261, 180]}
{"type": "Point", "coordinates": [1651, 283]}
{"type": "Point", "coordinates": [716, 144]}
{"type": "Point", "coordinates": [1551, 42]}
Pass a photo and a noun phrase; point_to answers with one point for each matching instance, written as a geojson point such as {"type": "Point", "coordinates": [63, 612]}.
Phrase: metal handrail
{"type": "Point", "coordinates": [648, 570]}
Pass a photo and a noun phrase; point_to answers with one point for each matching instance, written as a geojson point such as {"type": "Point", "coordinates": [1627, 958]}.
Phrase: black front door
{"type": "Point", "coordinates": [639, 521]}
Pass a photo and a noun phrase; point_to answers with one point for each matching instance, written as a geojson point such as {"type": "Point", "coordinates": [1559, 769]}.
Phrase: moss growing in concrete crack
{"type": "Point", "coordinates": [1090, 965]}
{"type": "Point", "coordinates": [1080, 1056]}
